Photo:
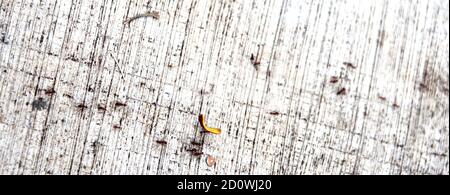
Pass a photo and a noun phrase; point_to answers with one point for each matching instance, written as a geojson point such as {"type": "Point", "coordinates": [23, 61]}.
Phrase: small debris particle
{"type": "Point", "coordinates": [334, 79]}
{"type": "Point", "coordinates": [342, 91]}
{"type": "Point", "coordinates": [39, 104]}
{"type": "Point", "coordinates": [381, 97]}
{"type": "Point", "coordinates": [117, 127]}
{"type": "Point", "coordinates": [395, 105]}
{"type": "Point", "coordinates": [196, 143]}
{"type": "Point", "coordinates": [365, 113]}
{"type": "Point", "coordinates": [423, 86]}
{"type": "Point", "coordinates": [72, 57]}
{"type": "Point", "coordinates": [81, 106]}
{"type": "Point", "coordinates": [348, 64]}
{"type": "Point", "coordinates": [96, 146]}
{"type": "Point", "coordinates": [41, 40]}
{"type": "Point", "coordinates": [275, 113]}
{"type": "Point", "coordinates": [67, 95]}
{"type": "Point", "coordinates": [120, 104]}
{"type": "Point", "coordinates": [162, 142]}
{"type": "Point", "coordinates": [152, 14]}
{"type": "Point", "coordinates": [210, 161]}
{"type": "Point", "coordinates": [50, 91]}
{"type": "Point", "coordinates": [95, 143]}
{"type": "Point", "coordinates": [102, 108]}
{"type": "Point", "coordinates": [255, 61]}
{"type": "Point", "coordinates": [3, 39]}
{"type": "Point", "coordinates": [51, 54]}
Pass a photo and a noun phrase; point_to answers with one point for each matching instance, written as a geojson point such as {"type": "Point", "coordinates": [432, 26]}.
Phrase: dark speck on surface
{"type": "Point", "coordinates": [3, 38]}
{"type": "Point", "coordinates": [274, 113]}
{"type": "Point", "coordinates": [162, 142]}
{"type": "Point", "coordinates": [39, 104]}
{"type": "Point", "coordinates": [342, 91]}
{"type": "Point", "coordinates": [196, 143]}
{"type": "Point", "coordinates": [334, 79]}
{"type": "Point", "coordinates": [348, 64]}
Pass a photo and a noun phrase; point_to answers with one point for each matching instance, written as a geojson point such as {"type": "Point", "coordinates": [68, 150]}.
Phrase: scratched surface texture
{"type": "Point", "coordinates": [335, 87]}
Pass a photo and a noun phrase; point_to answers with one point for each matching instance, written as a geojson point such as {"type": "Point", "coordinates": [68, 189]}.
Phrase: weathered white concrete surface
{"type": "Point", "coordinates": [62, 93]}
